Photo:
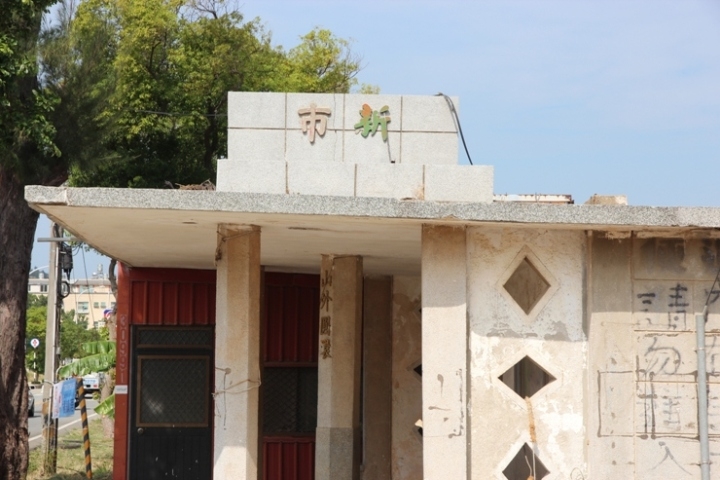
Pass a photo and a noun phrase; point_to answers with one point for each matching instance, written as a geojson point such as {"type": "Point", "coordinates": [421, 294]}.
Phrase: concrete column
{"type": "Point", "coordinates": [377, 378]}
{"type": "Point", "coordinates": [237, 353]}
{"type": "Point", "coordinates": [444, 353]}
{"type": "Point", "coordinates": [337, 447]}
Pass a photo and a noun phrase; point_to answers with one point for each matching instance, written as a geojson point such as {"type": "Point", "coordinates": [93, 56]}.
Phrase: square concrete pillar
{"type": "Point", "coordinates": [237, 353]}
{"type": "Point", "coordinates": [444, 353]}
{"type": "Point", "coordinates": [377, 378]}
{"type": "Point", "coordinates": [337, 441]}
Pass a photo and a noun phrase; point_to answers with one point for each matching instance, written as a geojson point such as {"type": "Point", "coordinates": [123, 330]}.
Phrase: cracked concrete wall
{"type": "Point", "coordinates": [502, 334]}
{"type": "Point", "coordinates": [645, 293]}
{"type": "Point", "coordinates": [406, 383]}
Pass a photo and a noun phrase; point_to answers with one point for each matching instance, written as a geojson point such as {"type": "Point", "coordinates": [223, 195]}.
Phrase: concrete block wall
{"type": "Point", "coordinates": [440, 183]}
{"type": "Point", "coordinates": [645, 293]}
{"type": "Point", "coordinates": [502, 334]}
{"type": "Point", "coordinates": [268, 151]}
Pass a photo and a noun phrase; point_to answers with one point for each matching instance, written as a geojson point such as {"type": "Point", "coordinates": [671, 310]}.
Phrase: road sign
{"type": "Point", "coordinates": [34, 343]}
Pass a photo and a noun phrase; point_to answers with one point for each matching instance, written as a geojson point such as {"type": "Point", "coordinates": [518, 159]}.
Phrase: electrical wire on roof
{"type": "Point", "coordinates": [451, 105]}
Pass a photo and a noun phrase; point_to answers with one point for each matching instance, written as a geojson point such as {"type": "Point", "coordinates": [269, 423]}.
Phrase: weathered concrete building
{"type": "Point", "coordinates": [352, 304]}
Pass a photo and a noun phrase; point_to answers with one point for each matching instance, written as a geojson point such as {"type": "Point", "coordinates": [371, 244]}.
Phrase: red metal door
{"type": "Point", "coordinates": [289, 377]}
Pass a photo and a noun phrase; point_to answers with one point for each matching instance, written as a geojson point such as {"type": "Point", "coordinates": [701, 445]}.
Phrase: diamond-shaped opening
{"type": "Point", "coordinates": [524, 466]}
{"type": "Point", "coordinates": [526, 377]}
{"type": "Point", "coordinates": [418, 369]}
{"type": "Point", "coordinates": [526, 286]}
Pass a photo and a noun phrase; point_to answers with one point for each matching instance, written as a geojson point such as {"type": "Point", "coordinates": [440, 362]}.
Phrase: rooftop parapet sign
{"type": "Point", "coordinates": [387, 146]}
{"type": "Point", "coordinates": [341, 128]}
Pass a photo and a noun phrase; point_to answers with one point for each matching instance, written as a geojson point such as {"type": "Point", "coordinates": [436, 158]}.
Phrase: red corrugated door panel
{"type": "Point", "coordinates": [289, 390]}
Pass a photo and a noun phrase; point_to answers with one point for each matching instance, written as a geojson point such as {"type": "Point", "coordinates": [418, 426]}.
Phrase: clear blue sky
{"type": "Point", "coordinates": [574, 97]}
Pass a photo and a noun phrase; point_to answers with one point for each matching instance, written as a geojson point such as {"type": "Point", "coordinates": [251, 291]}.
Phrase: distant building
{"type": "Point", "coordinates": [38, 282]}
{"type": "Point", "coordinates": [88, 297]}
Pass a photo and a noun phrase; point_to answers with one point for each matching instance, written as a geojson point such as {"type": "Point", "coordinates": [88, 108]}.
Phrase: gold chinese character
{"type": "Point", "coordinates": [325, 351]}
{"type": "Point", "coordinates": [313, 120]}
{"type": "Point", "coordinates": [325, 300]}
{"type": "Point", "coordinates": [325, 325]}
{"type": "Point", "coordinates": [326, 280]}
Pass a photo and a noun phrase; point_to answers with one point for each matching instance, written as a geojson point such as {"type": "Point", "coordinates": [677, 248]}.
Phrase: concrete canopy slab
{"type": "Point", "coordinates": [177, 228]}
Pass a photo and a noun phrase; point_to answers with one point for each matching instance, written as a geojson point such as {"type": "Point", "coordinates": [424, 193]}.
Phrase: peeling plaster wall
{"type": "Point", "coordinates": [406, 384]}
{"type": "Point", "coordinates": [642, 401]}
{"type": "Point", "coordinates": [501, 334]}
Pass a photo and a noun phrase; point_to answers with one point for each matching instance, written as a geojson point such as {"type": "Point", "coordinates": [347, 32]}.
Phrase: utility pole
{"type": "Point", "coordinates": [52, 334]}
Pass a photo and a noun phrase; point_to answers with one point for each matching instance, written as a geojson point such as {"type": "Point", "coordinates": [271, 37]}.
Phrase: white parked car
{"type": "Point", "coordinates": [91, 382]}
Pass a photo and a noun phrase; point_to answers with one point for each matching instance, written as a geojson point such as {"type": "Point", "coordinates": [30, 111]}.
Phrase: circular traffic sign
{"type": "Point", "coordinates": [34, 343]}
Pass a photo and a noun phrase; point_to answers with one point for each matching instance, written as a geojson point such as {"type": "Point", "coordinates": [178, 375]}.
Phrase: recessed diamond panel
{"type": "Point", "coordinates": [526, 286]}
{"type": "Point", "coordinates": [526, 377]}
{"type": "Point", "coordinates": [525, 466]}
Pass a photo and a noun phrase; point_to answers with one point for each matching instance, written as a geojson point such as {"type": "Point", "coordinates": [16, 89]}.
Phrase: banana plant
{"type": "Point", "coordinates": [101, 357]}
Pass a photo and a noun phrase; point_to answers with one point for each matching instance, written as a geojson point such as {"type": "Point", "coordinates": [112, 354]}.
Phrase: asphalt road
{"type": "Point", "coordinates": [66, 424]}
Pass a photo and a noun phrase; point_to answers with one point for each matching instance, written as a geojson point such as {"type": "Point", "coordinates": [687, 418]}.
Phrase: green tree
{"type": "Point", "coordinates": [36, 327]}
{"type": "Point", "coordinates": [37, 300]}
{"type": "Point", "coordinates": [27, 155]}
{"type": "Point", "coordinates": [172, 67]}
{"type": "Point", "coordinates": [73, 335]}
{"type": "Point", "coordinates": [121, 93]}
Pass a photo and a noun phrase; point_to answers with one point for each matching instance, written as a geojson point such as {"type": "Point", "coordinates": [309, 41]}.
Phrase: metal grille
{"type": "Point", "coordinates": [166, 337]}
{"type": "Point", "coordinates": [289, 400]}
{"type": "Point", "coordinates": [173, 391]}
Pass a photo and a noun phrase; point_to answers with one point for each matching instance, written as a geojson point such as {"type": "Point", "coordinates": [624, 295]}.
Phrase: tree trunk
{"type": "Point", "coordinates": [17, 231]}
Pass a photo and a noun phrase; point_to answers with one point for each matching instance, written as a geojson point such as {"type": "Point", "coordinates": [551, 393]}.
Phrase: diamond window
{"type": "Point", "coordinates": [525, 465]}
{"type": "Point", "coordinates": [526, 377]}
{"type": "Point", "coordinates": [526, 286]}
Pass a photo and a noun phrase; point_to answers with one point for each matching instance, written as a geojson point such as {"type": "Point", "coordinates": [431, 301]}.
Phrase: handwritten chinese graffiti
{"type": "Point", "coordinates": [325, 315]}
{"type": "Point", "coordinates": [661, 359]}
{"type": "Point", "coordinates": [314, 119]}
{"type": "Point", "coordinates": [371, 120]}
{"type": "Point", "coordinates": [655, 314]}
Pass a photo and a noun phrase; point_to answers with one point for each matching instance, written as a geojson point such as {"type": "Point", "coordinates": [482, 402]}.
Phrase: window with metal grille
{"type": "Point", "coordinates": [173, 338]}
{"type": "Point", "coordinates": [173, 391]}
{"type": "Point", "coordinates": [290, 400]}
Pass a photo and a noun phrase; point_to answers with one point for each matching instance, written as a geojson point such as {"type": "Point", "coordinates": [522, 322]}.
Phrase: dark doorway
{"type": "Point", "coordinates": [289, 376]}
{"type": "Point", "coordinates": [171, 403]}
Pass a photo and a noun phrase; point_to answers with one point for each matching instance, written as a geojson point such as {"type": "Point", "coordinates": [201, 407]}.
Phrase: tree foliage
{"type": "Point", "coordinates": [121, 93]}
{"type": "Point", "coordinates": [72, 335]}
{"type": "Point", "coordinates": [171, 64]}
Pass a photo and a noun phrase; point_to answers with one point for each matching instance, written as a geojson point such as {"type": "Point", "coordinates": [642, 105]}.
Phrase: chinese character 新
{"type": "Point", "coordinates": [314, 119]}
{"type": "Point", "coordinates": [372, 120]}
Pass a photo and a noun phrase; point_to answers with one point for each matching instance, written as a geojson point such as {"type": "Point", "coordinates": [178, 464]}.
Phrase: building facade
{"type": "Point", "coordinates": [351, 303]}
{"type": "Point", "coordinates": [89, 298]}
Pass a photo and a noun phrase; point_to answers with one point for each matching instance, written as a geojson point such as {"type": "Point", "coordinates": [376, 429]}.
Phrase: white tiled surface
{"type": "Point", "coordinates": [266, 145]}
{"type": "Point", "coordinates": [256, 110]}
{"type": "Point", "coordinates": [251, 176]}
{"type": "Point", "coordinates": [321, 178]}
{"type": "Point", "coordinates": [429, 148]}
{"type": "Point", "coordinates": [390, 181]}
